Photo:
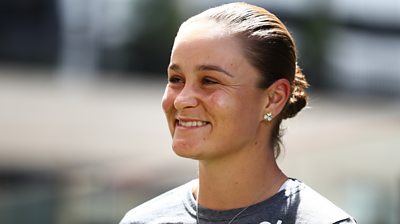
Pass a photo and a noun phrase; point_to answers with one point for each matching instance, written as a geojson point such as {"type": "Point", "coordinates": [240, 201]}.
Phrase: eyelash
{"type": "Point", "coordinates": [204, 81]}
{"type": "Point", "coordinates": [175, 79]}
{"type": "Point", "coordinates": [209, 81]}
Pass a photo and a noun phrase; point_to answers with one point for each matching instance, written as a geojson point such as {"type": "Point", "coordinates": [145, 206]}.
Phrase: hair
{"type": "Point", "coordinates": [270, 48]}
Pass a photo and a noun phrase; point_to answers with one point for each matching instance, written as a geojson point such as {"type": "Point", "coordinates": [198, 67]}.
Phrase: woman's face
{"type": "Point", "coordinates": [211, 101]}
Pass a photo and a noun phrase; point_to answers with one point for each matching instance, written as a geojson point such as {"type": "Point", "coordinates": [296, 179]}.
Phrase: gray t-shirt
{"type": "Point", "coordinates": [296, 203]}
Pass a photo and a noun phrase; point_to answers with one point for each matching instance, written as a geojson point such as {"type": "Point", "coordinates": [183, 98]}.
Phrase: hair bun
{"type": "Point", "coordinates": [298, 97]}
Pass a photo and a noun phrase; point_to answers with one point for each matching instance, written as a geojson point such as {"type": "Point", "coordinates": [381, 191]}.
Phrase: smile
{"type": "Point", "coordinates": [191, 123]}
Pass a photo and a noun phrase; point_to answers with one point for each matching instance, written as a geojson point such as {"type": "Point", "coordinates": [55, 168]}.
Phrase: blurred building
{"type": "Point", "coordinates": [83, 137]}
{"type": "Point", "coordinates": [29, 32]}
{"type": "Point", "coordinates": [124, 35]}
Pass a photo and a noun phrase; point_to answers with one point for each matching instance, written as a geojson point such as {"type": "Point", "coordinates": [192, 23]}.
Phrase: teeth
{"type": "Point", "coordinates": [192, 123]}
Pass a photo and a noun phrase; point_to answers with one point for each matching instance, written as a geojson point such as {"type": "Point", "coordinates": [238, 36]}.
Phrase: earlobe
{"type": "Point", "coordinates": [268, 116]}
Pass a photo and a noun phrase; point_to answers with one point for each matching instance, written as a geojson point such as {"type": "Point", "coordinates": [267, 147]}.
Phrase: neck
{"type": "Point", "coordinates": [242, 180]}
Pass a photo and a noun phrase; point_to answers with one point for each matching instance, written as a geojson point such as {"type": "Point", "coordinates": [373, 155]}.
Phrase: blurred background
{"type": "Point", "coordinates": [83, 138]}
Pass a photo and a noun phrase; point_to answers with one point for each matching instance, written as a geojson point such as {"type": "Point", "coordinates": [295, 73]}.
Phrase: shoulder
{"type": "Point", "coordinates": [312, 207]}
{"type": "Point", "coordinates": [169, 205]}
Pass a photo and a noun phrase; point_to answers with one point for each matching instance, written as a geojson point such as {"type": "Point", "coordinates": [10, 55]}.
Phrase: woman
{"type": "Point", "coordinates": [232, 78]}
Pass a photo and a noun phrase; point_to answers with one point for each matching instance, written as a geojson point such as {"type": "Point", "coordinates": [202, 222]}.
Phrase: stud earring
{"type": "Point", "coordinates": [268, 116]}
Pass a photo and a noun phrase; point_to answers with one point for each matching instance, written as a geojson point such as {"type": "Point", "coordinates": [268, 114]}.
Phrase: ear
{"type": "Point", "coordinates": [278, 94]}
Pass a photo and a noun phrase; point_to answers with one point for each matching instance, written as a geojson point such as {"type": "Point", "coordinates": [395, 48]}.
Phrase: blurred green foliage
{"type": "Point", "coordinates": [315, 31]}
{"type": "Point", "coordinates": [150, 40]}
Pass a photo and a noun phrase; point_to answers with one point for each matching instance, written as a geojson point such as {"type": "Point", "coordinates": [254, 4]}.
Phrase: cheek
{"type": "Point", "coordinates": [225, 103]}
{"type": "Point", "coordinates": [168, 100]}
{"type": "Point", "coordinates": [237, 108]}
{"type": "Point", "coordinates": [225, 110]}
{"type": "Point", "coordinates": [220, 100]}
{"type": "Point", "coordinates": [168, 107]}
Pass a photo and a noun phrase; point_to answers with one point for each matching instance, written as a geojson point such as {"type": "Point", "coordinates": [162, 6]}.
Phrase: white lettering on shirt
{"type": "Point", "coordinates": [265, 222]}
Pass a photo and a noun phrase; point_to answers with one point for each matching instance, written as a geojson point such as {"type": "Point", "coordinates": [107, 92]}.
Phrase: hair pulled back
{"type": "Point", "coordinates": [269, 47]}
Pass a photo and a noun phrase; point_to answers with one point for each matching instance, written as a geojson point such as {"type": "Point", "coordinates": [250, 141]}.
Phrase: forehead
{"type": "Point", "coordinates": [206, 41]}
{"type": "Point", "coordinates": [202, 28]}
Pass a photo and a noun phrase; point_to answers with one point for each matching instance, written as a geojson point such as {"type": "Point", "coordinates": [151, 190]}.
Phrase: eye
{"type": "Point", "coordinates": [209, 81]}
{"type": "Point", "coordinates": [175, 79]}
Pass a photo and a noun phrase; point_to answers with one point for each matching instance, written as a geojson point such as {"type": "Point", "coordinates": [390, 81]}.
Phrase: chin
{"type": "Point", "coordinates": [186, 151]}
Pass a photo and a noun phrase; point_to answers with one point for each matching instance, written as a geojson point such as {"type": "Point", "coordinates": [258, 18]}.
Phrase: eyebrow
{"type": "Point", "coordinates": [175, 67]}
{"type": "Point", "coordinates": [206, 67]}
{"type": "Point", "coordinates": [213, 68]}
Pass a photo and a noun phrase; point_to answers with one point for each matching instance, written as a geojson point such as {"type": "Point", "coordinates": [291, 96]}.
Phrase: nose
{"type": "Point", "coordinates": [187, 98]}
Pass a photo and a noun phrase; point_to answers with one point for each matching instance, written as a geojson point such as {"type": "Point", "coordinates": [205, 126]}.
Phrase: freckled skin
{"type": "Point", "coordinates": [233, 106]}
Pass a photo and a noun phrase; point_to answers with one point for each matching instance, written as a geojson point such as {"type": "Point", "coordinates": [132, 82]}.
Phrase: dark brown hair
{"type": "Point", "coordinates": [269, 47]}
